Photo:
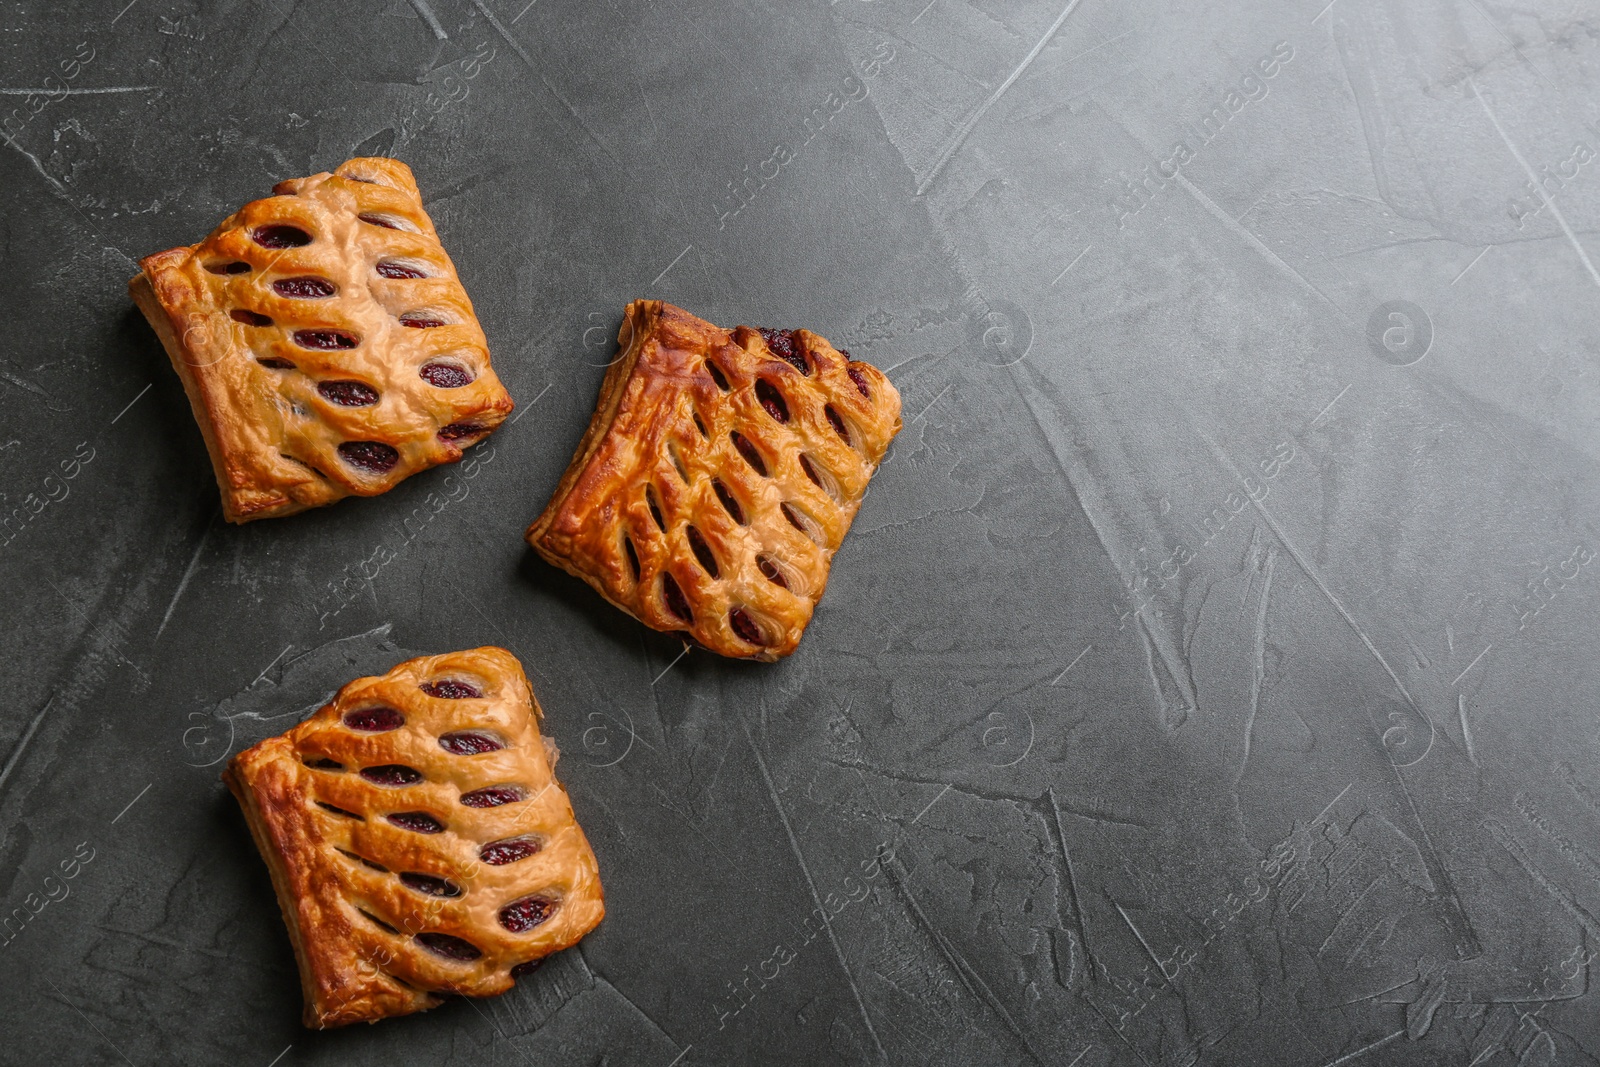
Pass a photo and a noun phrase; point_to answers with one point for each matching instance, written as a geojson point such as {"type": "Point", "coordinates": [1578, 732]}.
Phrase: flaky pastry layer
{"type": "Point", "coordinates": [288, 327]}
{"type": "Point", "coordinates": [417, 838]}
{"type": "Point", "coordinates": [718, 476]}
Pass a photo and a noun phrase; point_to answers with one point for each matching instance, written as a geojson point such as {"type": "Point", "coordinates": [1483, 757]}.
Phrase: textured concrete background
{"type": "Point", "coordinates": [1209, 677]}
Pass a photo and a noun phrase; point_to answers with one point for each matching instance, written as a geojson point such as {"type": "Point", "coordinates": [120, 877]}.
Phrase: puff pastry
{"type": "Point", "coordinates": [417, 838]}
{"type": "Point", "coordinates": [718, 476]}
{"type": "Point", "coordinates": [289, 328]}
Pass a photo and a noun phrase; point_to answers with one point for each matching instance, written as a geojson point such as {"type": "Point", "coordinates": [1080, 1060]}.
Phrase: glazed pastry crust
{"type": "Point", "coordinates": [273, 437]}
{"type": "Point", "coordinates": [352, 920]}
{"type": "Point", "coordinates": [668, 439]}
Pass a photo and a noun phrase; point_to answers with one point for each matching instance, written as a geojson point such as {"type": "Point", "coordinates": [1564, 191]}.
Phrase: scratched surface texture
{"type": "Point", "coordinates": [1210, 676]}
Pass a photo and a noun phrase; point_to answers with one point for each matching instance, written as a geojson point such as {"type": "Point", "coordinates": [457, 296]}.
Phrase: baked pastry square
{"type": "Point", "coordinates": [417, 838]}
{"type": "Point", "coordinates": [718, 476]}
{"type": "Point", "coordinates": [324, 341]}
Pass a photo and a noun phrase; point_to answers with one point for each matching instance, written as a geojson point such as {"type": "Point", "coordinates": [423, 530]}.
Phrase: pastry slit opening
{"type": "Point", "coordinates": [837, 422]}
{"type": "Point", "coordinates": [326, 340]}
{"type": "Point", "coordinates": [390, 269]}
{"type": "Point", "coordinates": [446, 375]}
{"type": "Point", "coordinates": [729, 502]}
{"type": "Point", "coordinates": [523, 915]}
{"type": "Point", "coordinates": [450, 947]}
{"type": "Point", "coordinates": [304, 288]}
{"type": "Point", "coordinates": [340, 812]}
{"type": "Point", "coordinates": [751, 454]}
{"type": "Point", "coordinates": [746, 627]}
{"type": "Point", "coordinates": [493, 796]}
{"type": "Point", "coordinates": [347, 854]}
{"type": "Point", "coordinates": [460, 431]}
{"type": "Point", "coordinates": [391, 774]}
{"type": "Point", "coordinates": [770, 571]}
{"type": "Point", "coordinates": [374, 457]}
{"type": "Point", "coordinates": [803, 522]}
{"type": "Point", "coordinates": [430, 885]}
{"type": "Point", "coordinates": [451, 689]}
{"type": "Point", "coordinates": [655, 507]}
{"type": "Point", "coordinates": [303, 463]}
{"type": "Point", "coordinates": [348, 393]}
{"type": "Point", "coordinates": [702, 551]}
{"type": "Point", "coordinates": [422, 320]}
{"type": "Point", "coordinates": [821, 477]}
{"type": "Point", "coordinates": [771, 400]}
{"type": "Point", "coordinates": [401, 982]}
{"type": "Point", "coordinates": [281, 236]}
{"type": "Point", "coordinates": [673, 596]}
{"type": "Point", "coordinates": [510, 850]}
{"type": "Point", "coordinates": [470, 742]}
{"type": "Point", "coordinates": [388, 221]}
{"type": "Point", "coordinates": [418, 822]}
{"type": "Point", "coordinates": [633, 556]}
{"type": "Point", "coordinates": [380, 924]}
{"type": "Point", "coordinates": [374, 720]}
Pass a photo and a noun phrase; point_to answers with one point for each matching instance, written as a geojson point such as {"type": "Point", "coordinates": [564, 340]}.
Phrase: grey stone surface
{"type": "Point", "coordinates": [1210, 675]}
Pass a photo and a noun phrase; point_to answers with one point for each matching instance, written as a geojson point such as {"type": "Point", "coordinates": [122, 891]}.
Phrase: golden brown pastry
{"type": "Point", "coordinates": [324, 341]}
{"type": "Point", "coordinates": [417, 838]}
{"type": "Point", "coordinates": [718, 476]}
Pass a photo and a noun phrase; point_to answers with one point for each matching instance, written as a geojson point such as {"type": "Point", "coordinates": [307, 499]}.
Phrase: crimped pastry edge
{"type": "Point", "coordinates": [148, 295]}
{"type": "Point", "coordinates": [633, 335]}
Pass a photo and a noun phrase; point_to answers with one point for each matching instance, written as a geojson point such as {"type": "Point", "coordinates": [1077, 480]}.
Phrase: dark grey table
{"type": "Point", "coordinates": [1209, 677]}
